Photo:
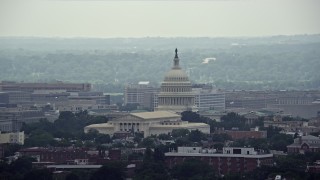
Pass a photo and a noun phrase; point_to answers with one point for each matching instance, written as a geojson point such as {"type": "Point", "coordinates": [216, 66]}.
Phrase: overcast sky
{"type": "Point", "coordinates": [215, 18]}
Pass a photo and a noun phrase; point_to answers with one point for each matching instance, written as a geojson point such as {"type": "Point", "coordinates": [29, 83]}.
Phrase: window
{"type": "Point", "coordinates": [236, 151]}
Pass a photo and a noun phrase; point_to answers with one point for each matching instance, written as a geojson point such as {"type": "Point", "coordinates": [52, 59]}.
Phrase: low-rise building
{"type": "Point", "coordinates": [30, 87]}
{"type": "Point", "coordinates": [150, 123]}
{"type": "Point", "coordinates": [15, 97]}
{"type": "Point", "coordinates": [11, 119]}
{"type": "Point", "coordinates": [305, 144]}
{"type": "Point", "coordinates": [313, 167]}
{"type": "Point", "coordinates": [246, 134]}
{"type": "Point", "coordinates": [96, 97]}
{"type": "Point", "coordinates": [207, 98]}
{"type": "Point", "coordinates": [56, 155]}
{"type": "Point", "coordinates": [142, 93]}
{"type": "Point", "coordinates": [231, 160]}
{"type": "Point", "coordinates": [12, 138]}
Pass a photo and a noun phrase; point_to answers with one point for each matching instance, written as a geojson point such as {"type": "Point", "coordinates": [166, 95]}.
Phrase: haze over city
{"type": "Point", "coordinates": [159, 90]}
{"type": "Point", "coordinates": [105, 19]}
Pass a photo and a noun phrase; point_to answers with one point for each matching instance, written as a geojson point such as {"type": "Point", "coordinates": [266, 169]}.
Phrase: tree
{"type": "Point", "coordinates": [218, 146]}
{"type": "Point", "coordinates": [182, 141]}
{"type": "Point", "coordinates": [10, 149]}
{"type": "Point", "coordinates": [190, 116]}
{"type": "Point", "coordinates": [180, 133]}
{"type": "Point", "coordinates": [103, 138]}
{"type": "Point", "coordinates": [67, 121]}
{"type": "Point", "coordinates": [193, 169]}
{"type": "Point", "coordinates": [39, 138]}
{"type": "Point", "coordinates": [72, 176]}
{"type": "Point", "coordinates": [147, 142]}
{"type": "Point", "coordinates": [280, 142]}
{"type": "Point", "coordinates": [234, 120]}
{"type": "Point", "coordinates": [221, 138]}
{"type": "Point", "coordinates": [153, 167]}
{"type": "Point", "coordinates": [148, 156]}
{"type": "Point", "coordinates": [112, 171]}
{"type": "Point", "coordinates": [164, 136]}
{"type": "Point", "coordinates": [271, 131]}
{"type": "Point", "coordinates": [214, 125]}
{"type": "Point", "coordinates": [22, 165]}
{"type": "Point", "coordinates": [193, 117]}
{"type": "Point", "coordinates": [258, 144]}
{"type": "Point", "coordinates": [158, 154]}
{"type": "Point", "coordinates": [92, 134]}
{"type": "Point", "coordinates": [66, 115]}
{"type": "Point", "coordinates": [196, 136]}
{"type": "Point", "coordinates": [97, 120]}
{"type": "Point", "coordinates": [43, 174]}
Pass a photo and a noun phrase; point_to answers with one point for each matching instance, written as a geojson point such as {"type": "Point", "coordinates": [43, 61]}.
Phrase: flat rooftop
{"type": "Point", "coordinates": [183, 154]}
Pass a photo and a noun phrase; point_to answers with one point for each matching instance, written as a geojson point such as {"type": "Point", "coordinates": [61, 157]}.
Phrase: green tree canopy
{"type": "Point", "coordinates": [112, 171]}
{"type": "Point", "coordinates": [193, 169]}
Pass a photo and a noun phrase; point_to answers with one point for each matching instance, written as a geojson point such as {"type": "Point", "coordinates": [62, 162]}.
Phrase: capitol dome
{"type": "Point", "coordinates": [176, 75]}
{"type": "Point", "coordinates": [176, 90]}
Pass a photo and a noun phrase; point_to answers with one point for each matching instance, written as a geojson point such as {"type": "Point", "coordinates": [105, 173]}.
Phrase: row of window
{"type": "Point", "coordinates": [165, 89]}
{"type": "Point", "coordinates": [129, 124]}
{"type": "Point", "coordinates": [128, 130]}
{"type": "Point", "coordinates": [170, 123]}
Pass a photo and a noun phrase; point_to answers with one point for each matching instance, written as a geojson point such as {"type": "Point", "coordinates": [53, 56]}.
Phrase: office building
{"type": "Point", "coordinates": [231, 160]}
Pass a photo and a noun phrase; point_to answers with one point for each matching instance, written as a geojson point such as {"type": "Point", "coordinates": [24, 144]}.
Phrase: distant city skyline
{"type": "Point", "coordinates": [109, 19]}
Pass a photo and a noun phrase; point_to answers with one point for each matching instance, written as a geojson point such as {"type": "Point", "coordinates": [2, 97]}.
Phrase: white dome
{"type": "Point", "coordinates": [176, 75]}
{"type": "Point", "coordinates": [176, 90]}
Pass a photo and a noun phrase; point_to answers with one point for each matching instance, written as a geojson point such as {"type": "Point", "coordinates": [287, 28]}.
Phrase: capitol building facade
{"type": "Point", "coordinates": [176, 90]}
{"type": "Point", "coordinates": [175, 97]}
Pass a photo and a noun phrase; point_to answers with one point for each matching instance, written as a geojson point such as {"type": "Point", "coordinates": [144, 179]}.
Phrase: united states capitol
{"type": "Point", "coordinates": [175, 96]}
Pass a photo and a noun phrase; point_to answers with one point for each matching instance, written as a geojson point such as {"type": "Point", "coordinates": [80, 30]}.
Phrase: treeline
{"type": "Point", "coordinates": [153, 166]}
{"type": "Point", "coordinates": [67, 130]}
{"type": "Point", "coordinates": [289, 62]}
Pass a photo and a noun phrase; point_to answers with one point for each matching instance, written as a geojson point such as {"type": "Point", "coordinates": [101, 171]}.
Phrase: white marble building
{"type": "Point", "coordinates": [175, 97]}
{"type": "Point", "coordinates": [150, 123]}
{"type": "Point", "coordinates": [176, 90]}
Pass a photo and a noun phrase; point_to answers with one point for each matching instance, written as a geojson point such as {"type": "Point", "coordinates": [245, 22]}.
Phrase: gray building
{"type": "Point", "coordinates": [142, 93]}
{"type": "Point", "coordinates": [15, 97]}
{"type": "Point", "coordinates": [97, 97]}
{"type": "Point", "coordinates": [11, 119]}
{"type": "Point", "coordinates": [209, 99]}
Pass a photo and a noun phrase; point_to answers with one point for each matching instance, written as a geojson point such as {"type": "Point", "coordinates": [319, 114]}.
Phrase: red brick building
{"type": "Point", "coordinates": [232, 160]}
{"type": "Point", "coordinates": [247, 134]}
{"type": "Point", "coordinates": [305, 144]}
{"type": "Point", "coordinates": [314, 167]}
{"type": "Point", "coordinates": [56, 155]}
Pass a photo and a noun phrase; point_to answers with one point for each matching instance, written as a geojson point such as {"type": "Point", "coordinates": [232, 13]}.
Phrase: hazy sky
{"type": "Point", "coordinates": [215, 18]}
